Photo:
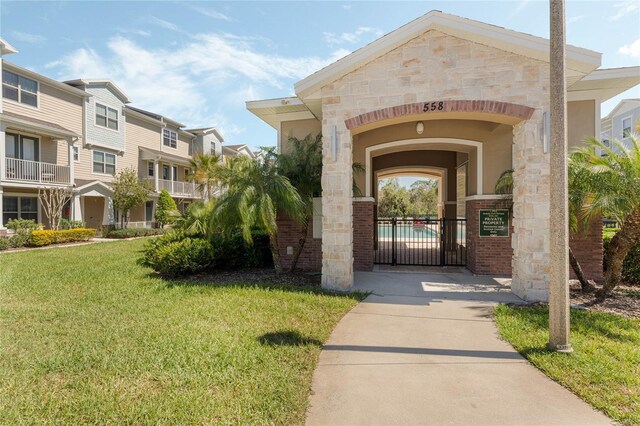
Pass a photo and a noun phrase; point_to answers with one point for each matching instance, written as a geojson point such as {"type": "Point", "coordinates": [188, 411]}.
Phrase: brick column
{"type": "Point", "coordinates": [486, 255]}
{"type": "Point", "coordinates": [587, 248]}
{"type": "Point", "coordinates": [289, 236]}
{"type": "Point", "coordinates": [363, 233]}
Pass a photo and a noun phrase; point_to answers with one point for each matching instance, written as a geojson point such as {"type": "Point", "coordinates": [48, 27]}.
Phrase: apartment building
{"type": "Point", "coordinates": [79, 134]}
{"type": "Point", "coordinates": [621, 121]}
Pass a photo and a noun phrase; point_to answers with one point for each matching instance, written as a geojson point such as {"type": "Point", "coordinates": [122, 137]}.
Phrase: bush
{"type": "Point", "coordinates": [22, 226]}
{"type": "Point", "coordinates": [631, 265]}
{"type": "Point", "coordinates": [71, 224]}
{"type": "Point", "coordinates": [187, 256]}
{"type": "Point", "coordinates": [4, 243]}
{"type": "Point", "coordinates": [133, 232]}
{"type": "Point", "coordinates": [166, 209]}
{"type": "Point", "coordinates": [233, 252]}
{"type": "Point", "coordinates": [40, 238]}
{"type": "Point", "coordinates": [18, 240]}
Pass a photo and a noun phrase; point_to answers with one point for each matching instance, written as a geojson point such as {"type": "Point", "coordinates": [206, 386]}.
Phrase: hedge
{"type": "Point", "coordinates": [4, 243]}
{"type": "Point", "coordinates": [133, 232]}
{"type": "Point", "coordinates": [40, 238]}
{"type": "Point", "coordinates": [631, 265]}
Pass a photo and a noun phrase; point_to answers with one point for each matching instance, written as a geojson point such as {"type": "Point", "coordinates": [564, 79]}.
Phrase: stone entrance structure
{"type": "Point", "coordinates": [481, 95]}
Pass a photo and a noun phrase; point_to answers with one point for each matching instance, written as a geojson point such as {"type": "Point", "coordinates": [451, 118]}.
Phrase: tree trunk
{"type": "Point", "coordinates": [575, 265]}
{"type": "Point", "coordinates": [275, 254]}
{"type": "Point", "coordinates": [301, 243]}
{"type": "Point", "coordinates": [617, 250]}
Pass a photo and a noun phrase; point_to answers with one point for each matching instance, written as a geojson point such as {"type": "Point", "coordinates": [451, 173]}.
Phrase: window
{"type": "Point", "coordinates": [170, 138]}
{"type": "Point", "coordinates": [606, 141]}
{"type": "Point", "coordinates": [150, 168]}
{"type": "Point", "coordinates": [104, 162]}
{"type": "Point", "coordinates": [76, 153]}
{"type": "Point", "coordinates": [165, 172]}
{"type": "Point", "coordinates": [175, 173]}
{"type": "Point", "coordinates": [626, 127]}
{"type": "Point", "coordinates": [19, 208]}
{"type": "Point", "coordinates": [106, 117]}
{"type": "Point", "coordinates": [22, 147]}
{"type": "Point", "coordinates": [187, 172]}
{"type": "Point", "coordinates": [19, 89]}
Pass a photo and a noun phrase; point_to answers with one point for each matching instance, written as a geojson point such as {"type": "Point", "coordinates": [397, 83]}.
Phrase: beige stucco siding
{"type": "Point", "coordinates": [581, 122]}
{"type": "Point", "coordinates": [298, 129]}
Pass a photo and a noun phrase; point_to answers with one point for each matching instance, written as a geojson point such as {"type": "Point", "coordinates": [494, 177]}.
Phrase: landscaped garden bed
{"type": "Point", "coordinates": [90, 336]}
{"type": "Point", "coordinates": [604, 368]}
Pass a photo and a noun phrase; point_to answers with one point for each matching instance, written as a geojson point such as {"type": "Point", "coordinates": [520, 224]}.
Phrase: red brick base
{"type": "Point", "coordinates": [587, 248]}
{"type": "Point", "coordinates": [363, 235]}
{"type": "Point", "coordinates": [486, 255]}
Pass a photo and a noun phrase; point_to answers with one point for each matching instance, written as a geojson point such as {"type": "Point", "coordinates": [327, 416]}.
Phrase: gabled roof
{"type": "Point", "coordinates": [206, 130]}
{"type": "Point", "coordinates": [580, 61]}
{"type": "Point", "coordinates": [43, 79]}
{"type": "Point", "coordinates": [6, 48]}
{"type": "Point", "coordinates": [631, 103]}
{"type": "Point", "coordinates": [83, 82]}
{"type": "Point", "coordinates": [161, 118]}
{"type": "Point", "coordinates": [274, 111]}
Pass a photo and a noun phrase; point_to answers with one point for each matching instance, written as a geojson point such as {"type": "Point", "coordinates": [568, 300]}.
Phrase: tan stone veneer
{"type": "Point", "coordinates": [439, 67]}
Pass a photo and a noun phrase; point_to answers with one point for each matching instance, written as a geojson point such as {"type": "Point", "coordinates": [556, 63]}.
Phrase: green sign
{"type": "Point", "coordinates": [494, 222]}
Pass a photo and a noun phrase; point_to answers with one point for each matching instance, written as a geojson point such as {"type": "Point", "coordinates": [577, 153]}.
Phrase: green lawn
{"type": "Point", "coordinates": [604, 368]}
{"type": "Point", "coordinates": [88, 336]}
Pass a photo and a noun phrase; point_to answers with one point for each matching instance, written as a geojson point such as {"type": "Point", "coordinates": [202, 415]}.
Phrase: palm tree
{"type": "Point", "coordinates": [614, 181]}
{"type": "Point", "coordinates": [302, 165]}
{"type": "Point", "coordinates": [577, 200]}
{"type": "Point", "coordinates": [205, 172]}
{"type": "Point", "coordinates": [255, 193]}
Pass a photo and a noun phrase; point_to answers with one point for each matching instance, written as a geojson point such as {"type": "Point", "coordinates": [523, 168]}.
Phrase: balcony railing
{"type": "Point", "coordinates": [177, 188]}
{"type": "Point", "coordinates": [36, 172]}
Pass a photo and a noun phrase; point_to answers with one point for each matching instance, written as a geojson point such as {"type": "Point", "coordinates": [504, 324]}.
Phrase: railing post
{"type": "Point", "coordinates": [393, 241]}
{"type": "Point", "coordinates": [442, 241]}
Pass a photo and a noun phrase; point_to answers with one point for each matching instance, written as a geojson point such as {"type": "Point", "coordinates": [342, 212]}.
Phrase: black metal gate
{"type": "Point", "coordinates": [428, 242]}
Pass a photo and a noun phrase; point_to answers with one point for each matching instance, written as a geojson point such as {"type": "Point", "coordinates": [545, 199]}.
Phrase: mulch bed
{"type": "Point", "coordinates": [624, 301]}
{"type": "Point", "coordinates": [262, 276]}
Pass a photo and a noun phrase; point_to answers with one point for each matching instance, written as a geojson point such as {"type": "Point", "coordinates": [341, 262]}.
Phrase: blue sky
{"type": "Point", "coordinates": [199, 61]}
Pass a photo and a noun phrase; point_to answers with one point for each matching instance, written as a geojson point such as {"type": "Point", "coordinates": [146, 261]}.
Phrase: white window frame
{"type": "Point", "coordinates": [630, 118]}
{"type": "Point", "coordinates": [20, 90]}
{"type": "Point", "coordinates": [168, 138]}
{"type": "Point", "coordinates": [151, 169]}
{"type": "Point", "coordinates": [106, 117]}
{"type": "Point", "coordinates": [104, 163]}
{"type": "Point", "coordinates": [76, 153]}
{"type": "Point", "coordinates": [605, 138]}
{"type": "Point", "coordinates": [18, 205]}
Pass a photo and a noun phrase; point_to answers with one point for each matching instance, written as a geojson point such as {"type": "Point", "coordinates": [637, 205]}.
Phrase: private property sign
{"type": "Point", "coordinates": [494, 222]}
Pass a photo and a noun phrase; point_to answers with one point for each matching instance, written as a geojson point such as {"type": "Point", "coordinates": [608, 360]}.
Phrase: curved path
{"type": "Point", "coordinates": [423, 349]}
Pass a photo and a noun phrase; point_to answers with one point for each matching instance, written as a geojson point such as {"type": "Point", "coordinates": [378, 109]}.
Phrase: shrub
{"type": "Point", "coordinates": [18, 240]}
{"type": "Point", "coordinates": [187, 256]}
{"type": "Point", "coordinates": [153, 247]}
{"type": "Point", "coordinates": [631, 265]}
{"type": "Point", "coordinates": [133, 232]}
{"type": "Point", "coordinates": [4, 243]}
{"type": "Point", "coordinates": [71, 224]}
{"type": "Point", "coordinates": [22, 226]}
{"type": "Point", "coordinates": [40, 238]}
{"type": "Point", "coordinates": [166, 209]}
{"type": "Point", "coordinates": [233, 252]}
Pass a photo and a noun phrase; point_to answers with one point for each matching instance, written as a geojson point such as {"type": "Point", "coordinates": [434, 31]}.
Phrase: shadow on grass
{"type": "Point", "coordinates": [287, 338]}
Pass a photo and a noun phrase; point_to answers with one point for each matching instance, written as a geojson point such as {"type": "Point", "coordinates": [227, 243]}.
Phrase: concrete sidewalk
{"type": "Point", "coordinates": [423, 349]}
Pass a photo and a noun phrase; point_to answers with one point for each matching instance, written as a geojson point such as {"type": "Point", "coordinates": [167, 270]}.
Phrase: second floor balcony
{"type": "Point", "coordinates": [176, 188]}
{"type": "Point", "coordinates": [27, 171]}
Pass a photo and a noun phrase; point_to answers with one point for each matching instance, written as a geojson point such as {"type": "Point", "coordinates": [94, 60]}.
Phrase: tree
{"type": "Point", "coordinates": [423, 198]}
{"type": "Point", "coordinates": [166, 209]}
{"type": "Point", "coordinates": [205, 173]}
{"type": "Point", "coordinates": [393, 200]}
{"type": "Point", "coordinates": [302, 165]}
{"type": "Point", "coordinates": [255, 193]}
{"type": "Point", "coordinates": [577, 200]}
{"type": "Point", "coordinates": [53, 201]}
{"type": "Point", "coordinates": [129, 192]}
{"type": "Point", "coordinates": [614, 190]}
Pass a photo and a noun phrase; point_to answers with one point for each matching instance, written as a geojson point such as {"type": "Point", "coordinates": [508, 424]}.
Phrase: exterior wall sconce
{"type": "Point", "coordinates": [546, 132]}
{"type": "Point", "coordinates": [420, 127]}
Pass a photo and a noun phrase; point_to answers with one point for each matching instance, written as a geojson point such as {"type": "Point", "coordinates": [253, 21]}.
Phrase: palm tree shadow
{"type": "Point", "coordinates": [287, 338]}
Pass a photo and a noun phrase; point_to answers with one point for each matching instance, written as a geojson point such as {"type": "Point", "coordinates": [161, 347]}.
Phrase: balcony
{"type": "Point", "coordinates": [26, 171]}
{"type": "Point", "coordinates": [177, 188]}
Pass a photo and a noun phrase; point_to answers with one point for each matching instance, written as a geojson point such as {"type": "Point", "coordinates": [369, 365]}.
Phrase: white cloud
{"type": "Point", "coordinates": [28, 37]}
{"type": "Point", "coordinates": [211, 13]}
{"type": "Point", "coordinates": [352, 37]}
{"type": "Point", "coordinates": [190, 81]}
{"type": "Point", "coordinates": [162, 23]}
{"type": "Point", "coordinates": [136, 32]}
{"type": "Point", "coordinates": [522, 4]}
{"type": "Point", "coordinates": [573, 19]}
{"type": "Point", "coordinates": [624, 8]}
{"type": "Point", "coordinates": [632, 49]}
{"type": "Point", "coordinates": [346, 6]}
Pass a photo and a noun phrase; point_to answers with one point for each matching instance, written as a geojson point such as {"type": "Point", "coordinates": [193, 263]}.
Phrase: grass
{"type": "Point", "coordinates": [87, 336]}
{"type": "Point", "coordinates": [604, 368]}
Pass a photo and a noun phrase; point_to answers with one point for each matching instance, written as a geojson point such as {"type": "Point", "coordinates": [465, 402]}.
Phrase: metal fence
{"type": "Point", "coordinates": [428, 242]}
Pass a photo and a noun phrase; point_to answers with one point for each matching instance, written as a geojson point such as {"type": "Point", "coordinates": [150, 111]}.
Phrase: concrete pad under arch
{"type": "Point", "coordinates": [423, 349]}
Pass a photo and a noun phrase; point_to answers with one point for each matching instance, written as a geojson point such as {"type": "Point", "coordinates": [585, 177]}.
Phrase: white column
{"type": "Point", "coordinates": [1, 218]}
{"type": "Point", "coordinates": [71, 162]}
{"type": "Point", "coordinates": [76, 207]}
{"type": "Point", "coordinates": [171, 177]}
{"type": "Point", "coordinates": [107, 215]}
{"type": "Point", "coordinates": [3, 150]}
{"type": "Point", "coordinates": [156, 174]}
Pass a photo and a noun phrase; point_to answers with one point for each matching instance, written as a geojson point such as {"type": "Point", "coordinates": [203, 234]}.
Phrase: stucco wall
{"type": "Point", "coordinates": [580, 122]}
{"type": "Point", "coordinates": [298, 129]}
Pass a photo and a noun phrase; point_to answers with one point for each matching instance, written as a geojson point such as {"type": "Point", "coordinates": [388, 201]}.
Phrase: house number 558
{"type": "Point", "coordinates": [432, 106]}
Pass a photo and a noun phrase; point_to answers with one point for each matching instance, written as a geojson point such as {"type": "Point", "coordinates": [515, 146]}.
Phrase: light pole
{"type": "Point", "coordinates": [559, 317]}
